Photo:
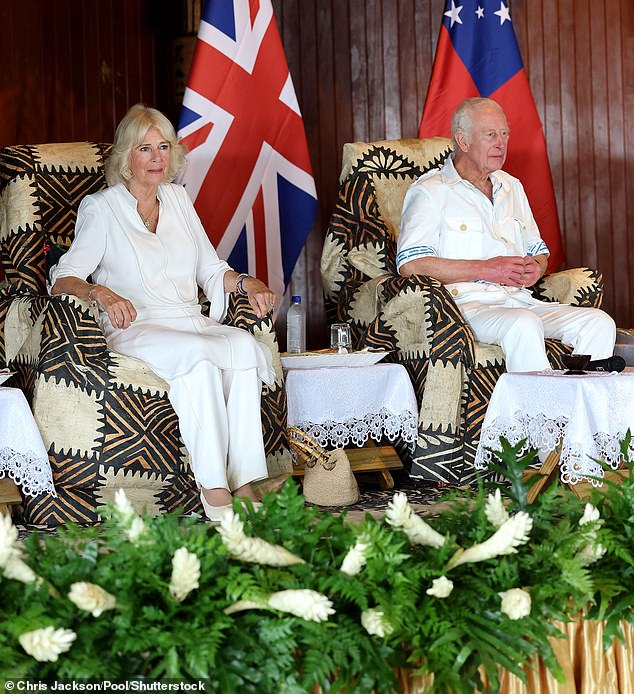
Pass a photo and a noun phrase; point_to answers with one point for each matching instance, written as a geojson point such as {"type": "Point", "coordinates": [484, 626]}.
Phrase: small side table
{"type": "Point", "coordinates": [343, 405]}
{"type": "Point", "coordinates": [572, 420]}
{"type": "Point", "coordinates": [23, 458]}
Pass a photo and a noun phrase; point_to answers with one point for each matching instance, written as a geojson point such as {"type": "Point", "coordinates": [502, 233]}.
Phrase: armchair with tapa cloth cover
{"type": "Point", "coordinates": [415, 317]}
{"type": "Point", "coordinates": [105, 418]}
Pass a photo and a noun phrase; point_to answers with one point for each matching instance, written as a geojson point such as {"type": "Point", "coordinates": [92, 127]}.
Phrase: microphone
{"type": "Point", "coordinates": [614, 363]}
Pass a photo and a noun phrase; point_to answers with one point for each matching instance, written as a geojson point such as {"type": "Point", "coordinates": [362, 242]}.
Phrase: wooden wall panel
{"type": "Point", "coordinates": [578, 55]}
{"type": "Point", "coordinates": [71, 68]}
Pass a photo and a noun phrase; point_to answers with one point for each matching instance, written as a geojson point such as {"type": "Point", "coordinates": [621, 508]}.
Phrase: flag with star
{"type": "Point", "coordinates": [248, 171]}
{"type": "Point", "coordinates": [478, 55]}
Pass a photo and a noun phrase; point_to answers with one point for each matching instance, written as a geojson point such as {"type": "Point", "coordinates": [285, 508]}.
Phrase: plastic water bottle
{"type": "Point", "coordinates": [296, 327]}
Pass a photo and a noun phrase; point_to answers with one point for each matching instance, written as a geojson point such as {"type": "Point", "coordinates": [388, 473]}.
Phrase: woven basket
{"type": "Point", "coordinates": [328, 477]}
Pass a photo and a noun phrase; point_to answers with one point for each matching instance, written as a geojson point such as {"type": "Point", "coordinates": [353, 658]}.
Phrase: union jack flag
{"type": "Point", "coordinates": [248, 171]}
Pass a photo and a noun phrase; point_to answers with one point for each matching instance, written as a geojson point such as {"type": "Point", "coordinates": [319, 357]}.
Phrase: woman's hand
{"type": "Point", "coordinates": [120, 311]}
{"type": "Point", "coordinates": [261, 298]}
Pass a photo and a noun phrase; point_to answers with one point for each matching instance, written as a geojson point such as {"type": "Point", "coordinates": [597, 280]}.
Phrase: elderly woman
{"type": "Point", "coordinates": [143, 246]}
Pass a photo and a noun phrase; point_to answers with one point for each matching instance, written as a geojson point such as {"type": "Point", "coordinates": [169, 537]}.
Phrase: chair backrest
{"type": "Point", "coordinates": [360, 242]}
{"type": "Point", "coordinates": [41, 187]}
{"type": "Point", "coordinates": [393, 166]}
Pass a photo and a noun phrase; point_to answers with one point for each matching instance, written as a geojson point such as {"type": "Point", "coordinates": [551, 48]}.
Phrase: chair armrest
{"type": "Point", "coordinates": [577, 286]}
{"type": "Point", "coordinates": [15, 320]}
{"type": "Point", "coordinates": [72, 345]}
{"type": "Point", "coordinates": [241, 315]}
{"type": "Point", "coordinates": [419, 319]}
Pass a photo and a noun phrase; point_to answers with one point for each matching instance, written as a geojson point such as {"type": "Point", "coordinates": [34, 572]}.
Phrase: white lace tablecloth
{"type": "Point", "coordinates": [22, 453]}
{"type": "Point", "coordinates": [338, 405]}
{"type": "Point", "coordinates": [587, 415]}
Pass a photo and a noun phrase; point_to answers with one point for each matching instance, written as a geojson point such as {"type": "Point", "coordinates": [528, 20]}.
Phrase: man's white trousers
{"type": "Point", "coordinates": [520, 330]}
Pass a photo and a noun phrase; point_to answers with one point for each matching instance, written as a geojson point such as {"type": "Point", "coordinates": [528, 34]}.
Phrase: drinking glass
{"type": "Point", "coordinates": [340, 338]}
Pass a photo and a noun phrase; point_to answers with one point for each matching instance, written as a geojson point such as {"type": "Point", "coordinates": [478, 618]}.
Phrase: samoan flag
{"type": "Point", "coordinates": [248, 171]}
{"type": "Point", "coordinates": [478, 55]}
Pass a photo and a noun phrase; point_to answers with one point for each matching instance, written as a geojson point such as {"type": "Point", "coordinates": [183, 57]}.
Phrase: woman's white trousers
{"type": "Point", "coordinates": [220, 423]}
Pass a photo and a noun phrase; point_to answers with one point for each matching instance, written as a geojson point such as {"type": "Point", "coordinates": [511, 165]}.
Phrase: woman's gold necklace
{"type": "Point", "coordinates": [147, 221]}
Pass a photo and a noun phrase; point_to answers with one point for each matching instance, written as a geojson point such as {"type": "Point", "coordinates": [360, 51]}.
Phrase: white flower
{"type": "Point", "coordinates": [17, 570]}
{"type": "Point", "coordinates": [355, 559]}
{"type": "Point", "coordinates": [123, 506]}
{"type": "Point", "coordinates": [400, 514]}
{"type": "Point", "coordinates": [135, 530]}
{"type": "Point", "coordinates": [589, 554]}
{"type": "Point", "coordinates": [516, 603]}
{"type": "Point", "coordinates": [8, 538]}
{"type": "Point", "coordinates": [304, 603]}
{"type": "Point", "coordinates": [590, 514]}
{"type": "Point", "coordinates": [494, 510]}
{"type": "Point", "coordinates": [47, 644]}
{"type": "Point", "coordinates": [252, 549]}
{"type": "Point", "coordinates": [505, 540]}
{"type": "Point", "coordinates": [375, 623]}
{"type": "Point", "coordinates": [440, 587]}
{"type": "Point", "coordinates": [133, 524]}
{"type": "Point", "coordinates": [11, 562]}
{"type": "Point", "coordinates": [91, 597]}
{"type": "Point", "coordinates": [185, 573]}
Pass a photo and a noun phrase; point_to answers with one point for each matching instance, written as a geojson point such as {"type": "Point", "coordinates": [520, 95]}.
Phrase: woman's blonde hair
{"type": "Point", "coordinates": [130, 133]}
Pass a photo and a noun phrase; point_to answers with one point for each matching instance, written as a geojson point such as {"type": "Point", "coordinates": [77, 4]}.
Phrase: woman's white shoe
{"type": "Point", "coordinates": [214, 513]}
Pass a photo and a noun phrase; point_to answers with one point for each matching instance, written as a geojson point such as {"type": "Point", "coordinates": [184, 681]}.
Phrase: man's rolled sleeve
{"type": "Point", "coordinates": [537, 248]}
{"type": "Point", "coordinates": [420, 231]}
{"type": "Point", "coordinates": [533, 241]}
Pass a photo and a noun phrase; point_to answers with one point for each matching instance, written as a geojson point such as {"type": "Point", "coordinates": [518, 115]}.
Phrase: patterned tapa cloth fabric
{"type": "Point", "coordinates": [104, 418]}
{"type": "Point", "coordinates": [416, 317]}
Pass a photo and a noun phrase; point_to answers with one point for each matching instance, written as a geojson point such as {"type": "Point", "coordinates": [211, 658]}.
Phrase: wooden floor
{"type": "Point", "coordinates": [9, 494]}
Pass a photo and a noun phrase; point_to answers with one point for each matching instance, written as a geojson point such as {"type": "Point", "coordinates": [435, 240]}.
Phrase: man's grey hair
{"type": "Point", "coordinates": [462, 119]}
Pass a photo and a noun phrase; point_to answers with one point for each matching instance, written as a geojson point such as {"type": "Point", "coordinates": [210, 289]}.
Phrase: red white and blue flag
{"type": "Point", "coordinates": [478, 55]}
{"type": "Point", "coordinates": [248, 170]}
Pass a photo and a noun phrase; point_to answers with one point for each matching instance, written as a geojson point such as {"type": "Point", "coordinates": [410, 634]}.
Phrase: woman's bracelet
{"type": "Point", "coordinates": [239, 286]}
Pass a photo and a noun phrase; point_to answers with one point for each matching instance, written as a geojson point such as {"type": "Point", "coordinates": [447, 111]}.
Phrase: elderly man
{"type": "Point", "coordinates": [470, 226]}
